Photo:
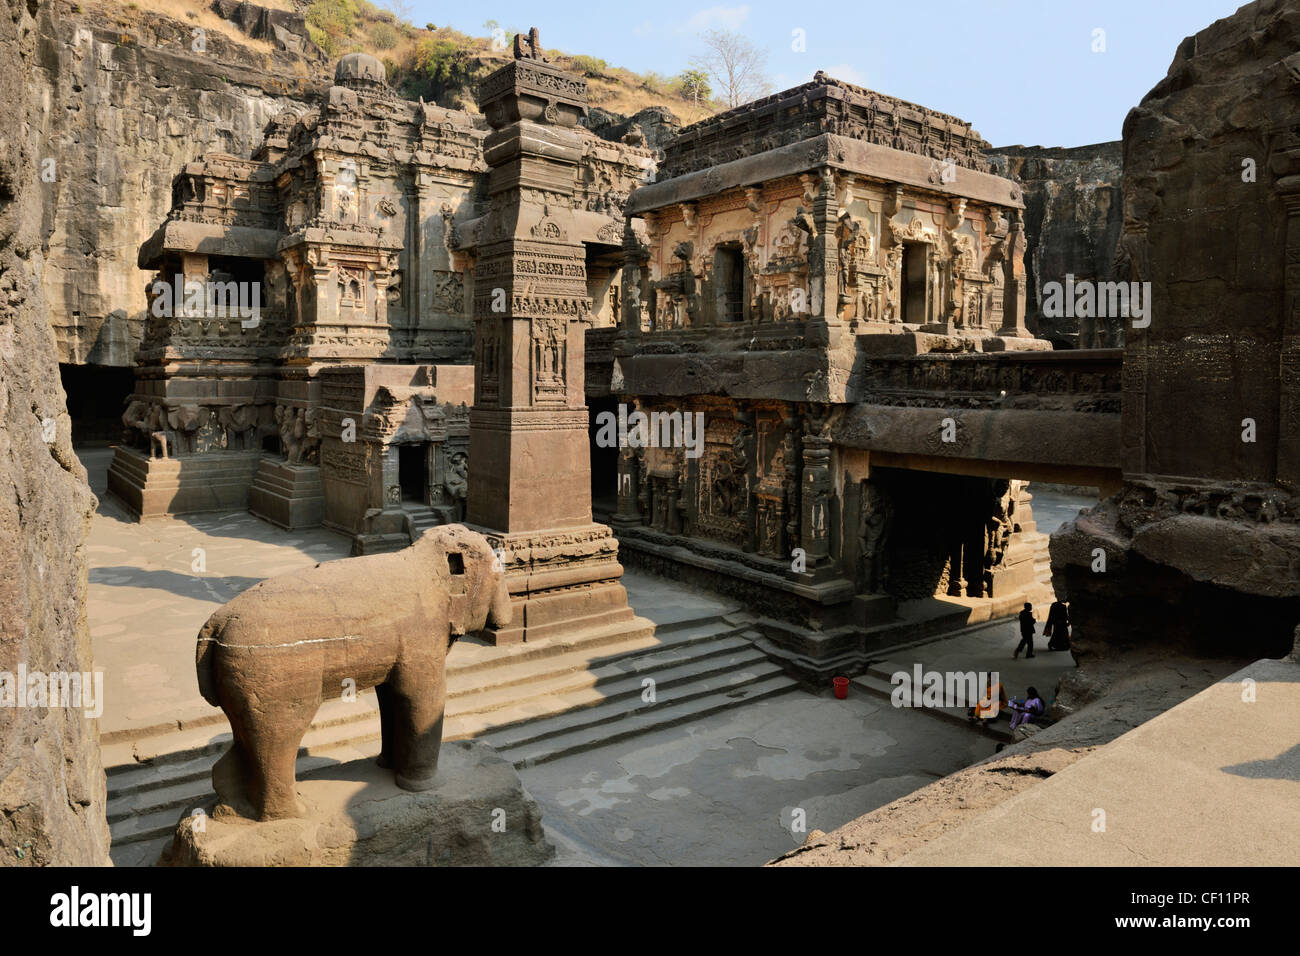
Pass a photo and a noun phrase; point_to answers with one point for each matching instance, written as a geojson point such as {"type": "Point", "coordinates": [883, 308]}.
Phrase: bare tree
{"type": "Point", "coordinates": [400, 9]}
{"type": "Point", "coordinates": [737, 66]}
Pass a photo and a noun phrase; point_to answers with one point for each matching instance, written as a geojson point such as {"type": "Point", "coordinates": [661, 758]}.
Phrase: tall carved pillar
{"type": "Point", "coordinates": [530, 467]}
{"type": "Point", "coordinates": [1013, 300]}
{"type": "Point", "coordinates": [823, 265]}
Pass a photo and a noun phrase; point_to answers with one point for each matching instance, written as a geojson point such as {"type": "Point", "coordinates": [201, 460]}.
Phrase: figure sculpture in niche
{"type": "Point", "coordinates": [270, 656]}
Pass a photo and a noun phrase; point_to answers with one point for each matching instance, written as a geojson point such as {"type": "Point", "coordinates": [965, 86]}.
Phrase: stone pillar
{"type": "Point", "coordinates": [816, 519]}
{"type": "Point", "coordinates": [529, 461]}
{"type": "Point", "coordinates": [1013, 293]}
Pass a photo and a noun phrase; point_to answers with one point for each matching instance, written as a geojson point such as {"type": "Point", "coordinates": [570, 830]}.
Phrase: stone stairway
{"type": "Point", "coordinates": [877, 681]}
{"type": "Point", "coordinates": [422, 518]}
{"type": "Point", "coordinates": [533, 702]}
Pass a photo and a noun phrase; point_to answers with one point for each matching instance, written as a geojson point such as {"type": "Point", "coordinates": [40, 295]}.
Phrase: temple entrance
{"type": "Point", "coordinates": [936, 543]}
{"type": "Point", "coordinates": [412, 473]}
{"type": "Point", "coordinates": [729, 282]}
{"type": "Point", "coordinates": [97, 396]}
{"type": "Point", "coordinates": [912, 294]}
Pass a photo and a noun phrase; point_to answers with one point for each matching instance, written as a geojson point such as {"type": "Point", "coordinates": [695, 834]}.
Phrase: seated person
{"type": "Point", "coordinates": [1031, 710]}
{"type": "Point", "coordinates": [990, 703]}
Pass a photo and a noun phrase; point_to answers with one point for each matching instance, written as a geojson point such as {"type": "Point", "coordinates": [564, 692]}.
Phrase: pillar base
{"type": "Point", "coordinates": [564, 584]}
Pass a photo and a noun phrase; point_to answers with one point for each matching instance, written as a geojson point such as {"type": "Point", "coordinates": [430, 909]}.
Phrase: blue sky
{"type": "Point", "coordinates": [1022, 71]}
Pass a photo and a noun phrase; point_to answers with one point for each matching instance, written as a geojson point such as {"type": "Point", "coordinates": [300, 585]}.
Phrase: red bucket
{"type": "Point", "coordinates": [841, 687]}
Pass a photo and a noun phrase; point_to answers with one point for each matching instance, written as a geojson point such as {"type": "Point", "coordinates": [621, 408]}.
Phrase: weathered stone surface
{"type": "Point", "coordinates": [271, 655]}
{"type": "Point", "coordinates": [128, 103]}
{"type": "Point", "coordinates": [1073, 215]}
{"type": "Point", "coordinates": [656, 125]}
{"type": "Point", "coordinates": [477, 814]}
{"type": "Point", "coordinates": [52, 788]}
{"type": "Point", "coordinates": [283, 29]}
{"type": "Point", "coordinates": [1200, 548]}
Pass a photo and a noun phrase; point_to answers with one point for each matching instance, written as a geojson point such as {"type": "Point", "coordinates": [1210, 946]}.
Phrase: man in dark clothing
{"type": "Point", "coordinates": [1026, 631]}
{"type": "Point", "coordinates": [1058, 627]}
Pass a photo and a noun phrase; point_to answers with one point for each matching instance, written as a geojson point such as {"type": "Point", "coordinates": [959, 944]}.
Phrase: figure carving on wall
{"type": "Point", "coordinates": [730, 485]}
{"type": "Point", "coordinates": [875, 519]}
{"type": "Point", "coordinates": [893, 271]}
{"type": "Point", "coordinates": [457, 480]}
{"type": "Point", "coordinates": [846, 236]}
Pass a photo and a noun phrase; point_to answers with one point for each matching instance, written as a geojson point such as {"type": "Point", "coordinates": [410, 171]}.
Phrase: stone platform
{"type": "Point", "coordinates": [287, 495]}
{"type": "Point", "coordinates": [156, 487]}
{"type": "Point", "coordinates": [478, 814]}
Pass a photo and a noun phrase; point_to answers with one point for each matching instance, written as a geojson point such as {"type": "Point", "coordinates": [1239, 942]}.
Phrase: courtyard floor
{"type": "Point", "coordinates": [736, 787]}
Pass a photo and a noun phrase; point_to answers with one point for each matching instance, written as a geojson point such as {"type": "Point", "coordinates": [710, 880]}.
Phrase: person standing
{"type": "Point", "coordinates": [1057, 627]}
{"type": "Point", "coordinates": [1026, 632]}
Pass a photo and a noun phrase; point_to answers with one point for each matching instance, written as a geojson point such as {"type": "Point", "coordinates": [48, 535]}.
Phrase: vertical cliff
{"type": "Point", "coordinates": [126, 98]}
{"type": "Point", "coordinates": [1073, 217]}
{"type": "Point", "coordinates": [52, 789]}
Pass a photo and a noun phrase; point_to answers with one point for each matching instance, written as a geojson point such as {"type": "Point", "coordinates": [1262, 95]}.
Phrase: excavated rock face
{"type": "Point", "coordinates": [52, 788]}
{"type": "Point", "coordinates": [1073, 215]}
{"type": "Point", "coordinates": [127, 104]}
{"type": "Point", "coordinates": [1201, 548]}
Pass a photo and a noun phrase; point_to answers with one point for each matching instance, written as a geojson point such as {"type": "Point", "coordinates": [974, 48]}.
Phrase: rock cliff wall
{"type": "Point", "coordinates": [1073, 216]}
{"type": "Point", "coordinates": [1201, 547]}
{"type": "Point", "coordinates": [52, 789]}
{"type": "Point", "coordinates": [126, 98]}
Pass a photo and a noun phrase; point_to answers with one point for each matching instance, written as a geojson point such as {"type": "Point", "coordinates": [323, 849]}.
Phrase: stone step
{"type": "Point", "coordinates": [623, 721]}
{"type": "Point", "coordinates": [590, 706]}
{"type": "Point", "coordinates": [876, 681]}
{"type": "Point", "coordinates": [127, 753]}
{"type": "Point", "coordinates": [146, 800]}
{"type": "Point", "coordinates": [191, 752]}
{"type": "Point", "coordinates": [581, 669]}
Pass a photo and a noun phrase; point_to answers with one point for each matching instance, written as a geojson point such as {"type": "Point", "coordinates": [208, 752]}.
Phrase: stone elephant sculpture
{"type": "Point", "coordinates": [271, 655]}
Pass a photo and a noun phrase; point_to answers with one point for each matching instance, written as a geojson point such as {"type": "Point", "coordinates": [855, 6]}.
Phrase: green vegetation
{"type": "Point", "coordinates": [384, 36]}
{"type": "Point", "coordinates": [589, 65]}
{"type": "Point", "coordinates": [330, 22]}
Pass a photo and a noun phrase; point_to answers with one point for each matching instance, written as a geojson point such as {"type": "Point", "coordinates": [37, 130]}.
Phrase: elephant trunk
{"type": "Point", "coordinates": [500, 613]}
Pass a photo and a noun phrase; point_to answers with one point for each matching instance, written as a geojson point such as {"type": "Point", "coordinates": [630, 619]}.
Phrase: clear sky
{"type": "Point", "coordinates": [1021, 71]}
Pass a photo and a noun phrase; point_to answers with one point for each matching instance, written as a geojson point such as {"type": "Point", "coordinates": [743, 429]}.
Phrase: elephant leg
{"type": "Point", "coordinates": [420, 692]}
{"type": "Point", "coordinates": [230, 774]}
{"type": "Point", "coordinates": [272, 746]}
{"type": "Point", "coordinates": [387, 755]}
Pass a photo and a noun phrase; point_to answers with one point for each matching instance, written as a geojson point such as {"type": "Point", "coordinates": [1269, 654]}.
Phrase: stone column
{"type": "Point", "coordinates": [529, 461]}
{"type": "Point", "coordinates": [1013, 300]}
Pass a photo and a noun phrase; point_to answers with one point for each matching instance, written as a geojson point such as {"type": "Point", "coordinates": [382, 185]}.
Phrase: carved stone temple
{"type": "Point", "coordinates": [829, 281]}
{"type": "Point", "coordinates": [529, 462]}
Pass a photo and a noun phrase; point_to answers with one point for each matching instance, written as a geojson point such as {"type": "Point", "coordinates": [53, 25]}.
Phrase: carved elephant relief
{"type": "Point", "coordinates": [270, 656]}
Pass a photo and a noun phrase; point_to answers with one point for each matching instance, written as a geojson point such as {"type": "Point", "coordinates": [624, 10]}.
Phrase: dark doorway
{"type": "Point", "coordinates": [604, 460]}
{"type": "Point", "coordinates": [729, 282]}
{"type": "Point", "coordinates": [915, 255]}
{"type": "Point", "coordinates": [97, 397]}
{"type": "Point", "coordinates": [411, 471]}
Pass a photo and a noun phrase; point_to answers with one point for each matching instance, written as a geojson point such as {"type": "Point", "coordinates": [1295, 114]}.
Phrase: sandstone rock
{"type": "Point", "coordinates": [478, 814]}
{"type": "Point", "coordinates": [271, 655]}
{"type": "Point", "coordinates": [52, 787]}
{"type": "Point", "coordinates": [122, 116]}
{"type": "Point", "coordinates": [1073, 215]}
{"type": "Point", "coordinates": [1202, 544]}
